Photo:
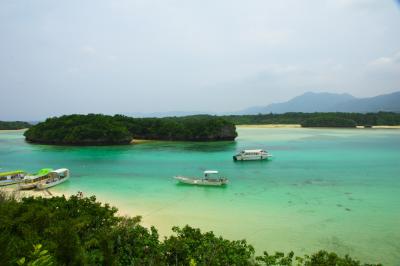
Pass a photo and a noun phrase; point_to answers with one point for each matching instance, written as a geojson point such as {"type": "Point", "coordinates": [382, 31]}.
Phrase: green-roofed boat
{"type": "Point", "coordinates": [31, 181]}
{"type": "Point", "coordinates": [12, 177]}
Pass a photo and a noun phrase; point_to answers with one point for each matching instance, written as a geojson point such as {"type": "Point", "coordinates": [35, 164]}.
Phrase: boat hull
{"type": "Point", "coordinates": [47, 184]}
{"type": "Point", "coordinates": [202, 182]}
{"type": "Point", "coordinates": [251, 158]}
{"type": "Point", "coordinates": [27, 186]}
{"type": "Point", "coordinates": [9, 182]}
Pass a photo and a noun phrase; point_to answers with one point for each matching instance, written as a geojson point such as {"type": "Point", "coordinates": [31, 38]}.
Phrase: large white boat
{"type": "Point", "coordinates": [251, 155]}
{"type": "Point", "coordinates": [56, 177]}
{"type": "Point", "coordinates": [13, 177]}
{"type": "Point", "coordinates": [30, 181]}
{"type": "Point", "coordinates": [211, 178]}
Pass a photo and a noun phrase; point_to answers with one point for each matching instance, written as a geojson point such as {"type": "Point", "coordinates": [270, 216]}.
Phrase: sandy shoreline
{"type": "Point", "coordinates": [19, 194]}
{"type": "Point", "coordinates": [299, 126]}
{"type": "Point", "coordinates": [270, 126]}
{"type": "Point", "coordinates": [12, 130]}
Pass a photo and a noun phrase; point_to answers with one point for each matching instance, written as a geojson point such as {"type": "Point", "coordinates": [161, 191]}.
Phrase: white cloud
{"type": "Point", "coordinates": [88, 49]}
{"type": "Point", "coordinates": [386, 62]}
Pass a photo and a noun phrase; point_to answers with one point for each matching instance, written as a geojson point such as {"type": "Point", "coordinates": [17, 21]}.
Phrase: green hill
{"type": "Point", "coordinates": [97, 129]}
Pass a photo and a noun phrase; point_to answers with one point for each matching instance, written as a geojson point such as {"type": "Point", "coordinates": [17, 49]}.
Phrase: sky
{"type": "Point", "coordinates": [145, 56]}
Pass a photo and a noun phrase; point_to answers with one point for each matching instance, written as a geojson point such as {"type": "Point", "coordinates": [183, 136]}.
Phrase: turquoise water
{"type": "Point", "coordinates": [335, 189]}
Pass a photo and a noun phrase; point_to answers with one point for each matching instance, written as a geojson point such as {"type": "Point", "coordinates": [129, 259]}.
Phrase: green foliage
{"type": "Point", "coordinates": [368, 119]}
{"type": "Point", "coordinates": [11, 125]}
{"type": "Point", "coordinates": [278, 258]}
{"type": "Point", "coordinates": [194, 128]}
{"type": "Point", "coordinates": [328, 122]}
{"type": "Point", "coordinates": [321, 258]}
{"type": "Point", "coordinates": [190, 246]}
{"type": "Point", "coordinates": [81, 231]}
{"type": "Point", "coordinates": [38, 257]}
{"type": "Point", "coordinates": [96, 129]}
{"type": "Point", "coordinates": [92, 129]}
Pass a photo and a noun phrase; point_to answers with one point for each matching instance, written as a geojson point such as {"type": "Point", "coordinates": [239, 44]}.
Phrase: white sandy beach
{"type": "Point", "coordinates": [270, 126]}
{"type": "Point", "coordinates": [299, 126]}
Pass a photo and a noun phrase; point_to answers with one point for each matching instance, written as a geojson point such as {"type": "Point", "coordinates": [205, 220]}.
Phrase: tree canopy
{"type": "Point", "coordinates": [97, 129]}
{"type": "Point", "coordinates": [11, 125]}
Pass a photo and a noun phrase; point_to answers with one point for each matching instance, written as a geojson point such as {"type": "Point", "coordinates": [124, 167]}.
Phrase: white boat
{"type": "Point", "coordinates": [56, 177]}
{"type": "Point", "coordinates": [211, 178]}
{"type": "Point", "coordinates": [30, 181]}
{"type": "Point", "coordinates": [251, 155]}
{"type": "Point", "coordinates": [10, 178]}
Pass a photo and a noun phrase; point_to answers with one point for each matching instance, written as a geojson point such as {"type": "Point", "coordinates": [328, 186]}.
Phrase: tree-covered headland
{"type": "Point", "coordinates": [82, 231]}
{"type": "Point", "coordinates": [97, 129]}
{"type": "Point", "coordinates": [12, 125]}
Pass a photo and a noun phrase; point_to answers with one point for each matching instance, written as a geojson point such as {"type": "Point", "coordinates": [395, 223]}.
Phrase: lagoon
{"type": "Point", "coordinates": [334, 189]}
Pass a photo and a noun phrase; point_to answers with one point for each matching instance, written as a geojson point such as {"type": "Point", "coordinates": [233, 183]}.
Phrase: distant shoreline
{"type": "Point", "coordinates": [270, 126]}
{"type": "Point", "coordinates": [299, 126]}
{"type": "Point", "coordinates": [12, 130]}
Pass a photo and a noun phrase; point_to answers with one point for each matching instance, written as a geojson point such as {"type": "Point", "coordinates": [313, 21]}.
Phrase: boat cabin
{"type": "Point", "coordinates": [41, 175]}
{"type": "Point", "coordinates": [252, 152]}
{"type": "Point", "coordinates": [211, 174]}
{"type": "Point", "coordinates": [59, 173]}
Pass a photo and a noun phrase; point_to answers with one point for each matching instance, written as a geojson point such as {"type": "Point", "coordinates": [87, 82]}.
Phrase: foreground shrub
{"type": "Point", "coordinates": [81, 231]}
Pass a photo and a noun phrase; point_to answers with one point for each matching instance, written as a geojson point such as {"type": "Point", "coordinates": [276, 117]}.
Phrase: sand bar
{"type": "Point", "coordinates": [270, 126]}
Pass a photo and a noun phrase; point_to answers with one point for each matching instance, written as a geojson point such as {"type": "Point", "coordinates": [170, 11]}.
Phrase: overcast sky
{"type": "Point", "coordinates": [126, 56]}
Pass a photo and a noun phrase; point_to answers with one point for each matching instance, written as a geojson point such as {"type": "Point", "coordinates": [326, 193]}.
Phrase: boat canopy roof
{"type": "Point", "coordinates": [258, 150]}
{"type": "Point", "coordinates": [16, 172]}
{"type": "Point", "coordinates": [211, 172]}
{"type": "Point", "coordinates": [43, 172]}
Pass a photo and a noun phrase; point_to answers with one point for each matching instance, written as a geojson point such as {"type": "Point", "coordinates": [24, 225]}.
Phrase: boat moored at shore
{"type": "Point", "coordinates": [30, 181]}
{"type": "Point", "coordinates": [252, 155]}
{"type": "Point", "coordinates": [56, 177]}
{"type": "Point", "coordinates": [211, 178]}
{"type": "Point", "coordinates": [12, 177]}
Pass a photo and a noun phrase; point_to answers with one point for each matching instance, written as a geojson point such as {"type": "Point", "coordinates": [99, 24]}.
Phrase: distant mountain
{"type": "Point", "coordinates": [331, 102]}
{"type": "Point", "coordinates": [386, 102]}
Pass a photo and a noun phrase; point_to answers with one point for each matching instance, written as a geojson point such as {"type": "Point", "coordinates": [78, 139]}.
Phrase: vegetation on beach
{"type": "Point", "coordinates": [12, 125]}
{"type": "Point", "coordinates": [97, 129]}
{"type": "Point", "coordinates": [82, 231]}
{"type": "Point", "coordinates": [328, 122]}
{"type": "Point", "coordinates": [367, 119]}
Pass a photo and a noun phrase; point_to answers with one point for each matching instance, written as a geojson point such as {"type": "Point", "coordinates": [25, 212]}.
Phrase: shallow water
{"type": "Point", "coordinates": [335, 189]}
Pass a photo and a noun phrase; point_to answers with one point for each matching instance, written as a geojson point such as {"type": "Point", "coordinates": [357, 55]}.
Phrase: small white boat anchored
{"type": "Point", "coordinates": [56, 177]}
{"type": "Point", "coordinates": [251, 155]}
{"type": "Point", "coordinates": [211, 178]}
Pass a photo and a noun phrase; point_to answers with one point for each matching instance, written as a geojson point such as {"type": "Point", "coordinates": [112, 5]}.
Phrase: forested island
{"type": "Point", "coordinates": [97, 129]}
{"type": "Point", "coordinates": [338, 119]}
{"type": "Point", "coordinates": [82, 231]}
{"type": "Point", "coordinates": [13, 125]}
